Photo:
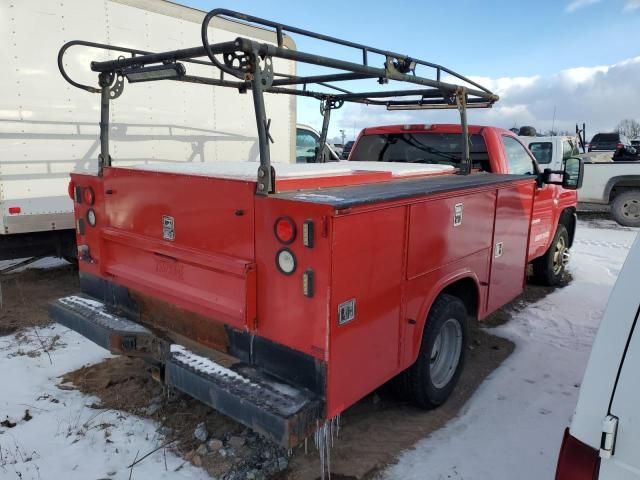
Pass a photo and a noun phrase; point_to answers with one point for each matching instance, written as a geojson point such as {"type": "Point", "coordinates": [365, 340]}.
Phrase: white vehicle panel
{"type": "Point", "coordinates": [625, 462]}
{"type": "Point", "coordinates": [606, 355]}
{"type": "Point", "coordinates": [49, 128]}
{"type": "Point", "coordinates": [598, 174]}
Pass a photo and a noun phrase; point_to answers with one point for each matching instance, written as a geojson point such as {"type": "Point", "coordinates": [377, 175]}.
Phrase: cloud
{"type": "Point", "coordinates": [631, 5]}
{"type": "Point", "coordinates": [578, 4]}
{"type": "Point", "coordinates": [599, 95]}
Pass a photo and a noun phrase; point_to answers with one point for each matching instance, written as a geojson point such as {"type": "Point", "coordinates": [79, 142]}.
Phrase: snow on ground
{"type": "Point", "coordinates": [65, 438]}
{"type": "Point", "coordinates": [513, 425]}
{"type": "Point", "coordinates": [42, 264]}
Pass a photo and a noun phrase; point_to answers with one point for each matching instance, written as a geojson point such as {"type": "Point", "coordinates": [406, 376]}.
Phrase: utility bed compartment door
{"type": "Point", "coordinates": [184, 239]}
{"type": "Point", "coordinates": [510, 244]}
{"type": "Point", "coordinates": [219, 287]}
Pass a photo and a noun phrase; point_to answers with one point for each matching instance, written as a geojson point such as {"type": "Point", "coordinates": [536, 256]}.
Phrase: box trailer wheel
{"type": "Point", "coordinates": [431, 379]}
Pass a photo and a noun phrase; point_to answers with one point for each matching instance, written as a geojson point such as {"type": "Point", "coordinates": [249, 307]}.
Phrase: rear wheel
{"type": "Point", "coordinates": [549, 269]}
{"type": "Point", "coordinates": [432, 378]}
{"type": "Point", "coordinates": [625, 208]}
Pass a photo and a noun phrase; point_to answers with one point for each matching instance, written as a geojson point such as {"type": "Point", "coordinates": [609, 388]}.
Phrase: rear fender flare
{"type": "Point", "coordinates": [440, 287]}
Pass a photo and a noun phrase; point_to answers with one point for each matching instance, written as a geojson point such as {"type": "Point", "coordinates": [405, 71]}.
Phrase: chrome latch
{"type": "Point", "coordinates": [608, 439]}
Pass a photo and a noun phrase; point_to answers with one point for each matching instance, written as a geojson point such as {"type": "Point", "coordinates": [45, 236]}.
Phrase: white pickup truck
{"type": "Point", "coordinates": [605, 182]}
{"type": "Point", "coordinates": [613, 183]}
{"type": "Point", "coordinates": [550, 152]}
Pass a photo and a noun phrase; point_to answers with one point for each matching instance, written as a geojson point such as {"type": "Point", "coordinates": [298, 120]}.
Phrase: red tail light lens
{"type": "Point", "coordinates": [88, 196]}
{"type": "Point", "coordinates": [285, 230]}
{"type": "Point", "coordinates": [70, 190]}
{"type": "Point", "coordinates": [577, 461]}
{"type": "Point", "coordinates": [14, 210]}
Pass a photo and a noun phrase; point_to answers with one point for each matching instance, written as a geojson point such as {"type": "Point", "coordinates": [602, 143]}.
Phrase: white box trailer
{"type": "Point", "coordinates": [48, 128]}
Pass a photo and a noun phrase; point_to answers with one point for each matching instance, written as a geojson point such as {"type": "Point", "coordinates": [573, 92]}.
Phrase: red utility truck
{"type": "Point", "coordinates": [283, 296]}
{"type": "Point", "coordinates": [492, 150]}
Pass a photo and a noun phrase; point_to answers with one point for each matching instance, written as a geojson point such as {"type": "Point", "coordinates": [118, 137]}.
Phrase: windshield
{"type": "Point", "coordinates": [422, 147]}
{"type": "Point", "coordinates": [605, 138]}
{"type": "Point", "coordinates": [543, 151]}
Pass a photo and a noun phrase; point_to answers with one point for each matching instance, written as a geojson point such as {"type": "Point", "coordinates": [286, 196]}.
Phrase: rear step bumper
{"type": "Point", "coordinates": [287, 414]}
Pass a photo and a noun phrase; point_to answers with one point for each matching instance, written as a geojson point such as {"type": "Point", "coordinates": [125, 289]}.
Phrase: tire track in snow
{"type": "Point", "coordinates": [602, 243]}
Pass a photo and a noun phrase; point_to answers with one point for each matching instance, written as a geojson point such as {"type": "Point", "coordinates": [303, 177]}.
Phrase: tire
{"type": "Point", "coordinates": [550, 268]}
{"type": "Point", "coordinates": [625, 208]}
{"type": "Point", "coordinates": [431, 379]}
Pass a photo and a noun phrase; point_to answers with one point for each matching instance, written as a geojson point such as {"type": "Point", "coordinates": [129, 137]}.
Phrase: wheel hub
{"type": "Point", "coordinates": [561, 256]}
{"type": "Point", "coordinates": [445, 353]}
{"type": "Point", "coordinates": [631, 209]}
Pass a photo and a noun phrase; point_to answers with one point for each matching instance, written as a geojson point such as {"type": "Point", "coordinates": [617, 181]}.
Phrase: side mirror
{"type": "Point", "coordinates": [571, 175]}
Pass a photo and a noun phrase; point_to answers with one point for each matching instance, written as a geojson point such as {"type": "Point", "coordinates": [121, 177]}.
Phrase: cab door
{"type": "Point", "coordinates": [521, 162]}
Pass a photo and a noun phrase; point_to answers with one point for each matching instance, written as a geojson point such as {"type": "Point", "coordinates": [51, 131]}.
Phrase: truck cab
{"type": "Point", "coordinates": [492, 150]}
{"type": "Point", "coordinates": [552, 151]}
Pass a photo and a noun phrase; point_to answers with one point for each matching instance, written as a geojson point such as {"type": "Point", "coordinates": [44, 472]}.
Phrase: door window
{"type": "Point", "coordinates": [543, 151]}
{"type": "Point", "coordinates": [569, 149]}
{"type": "Point", "coordinates": [306, 144]}
{"type": "Point", "coordinates": [520, 163]}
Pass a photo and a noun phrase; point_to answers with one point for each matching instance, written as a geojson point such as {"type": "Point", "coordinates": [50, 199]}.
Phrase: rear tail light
{"type": "Point", "coordinates": [286, 261]}
{"type": "Point", "coordinates": [88, 196]}
{"type": "Point", "coordinates": [285, 230]}
{"type": "Point", "coordinates": [14, 210]}
{"type": "Point", "coordinates": [308, 286]}
{"type": "Point", "coordinates": [70, 190]}
{"type": "Point", "coordinates": [577, 461]}
{"type": "Point", "coordinates": [308, 239]}
{"type": "Point", "coordinates": [91, 217]}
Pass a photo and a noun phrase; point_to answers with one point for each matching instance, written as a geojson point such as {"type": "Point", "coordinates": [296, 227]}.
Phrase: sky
{"type": "Point", "coordinates": [554, 63]}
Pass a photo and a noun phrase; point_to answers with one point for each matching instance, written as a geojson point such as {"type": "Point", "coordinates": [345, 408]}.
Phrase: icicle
{"type": "Point", "coordinates": [323, 439]}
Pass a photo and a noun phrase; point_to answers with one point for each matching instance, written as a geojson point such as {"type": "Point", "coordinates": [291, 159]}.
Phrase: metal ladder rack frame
{"type": "Point", "coordinates": [250, 65]}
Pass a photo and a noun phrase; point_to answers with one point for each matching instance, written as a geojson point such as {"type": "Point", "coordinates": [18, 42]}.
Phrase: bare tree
{"type": "Point", "coordinates": [629, 127]}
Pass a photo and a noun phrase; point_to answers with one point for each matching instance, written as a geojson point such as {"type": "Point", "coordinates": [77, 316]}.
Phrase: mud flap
{"type": "Point", "coordinates": [285, 413]}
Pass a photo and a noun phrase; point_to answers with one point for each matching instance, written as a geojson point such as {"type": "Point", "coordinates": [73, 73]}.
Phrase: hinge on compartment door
{"type": "Point", "coordinates": [608, 439]}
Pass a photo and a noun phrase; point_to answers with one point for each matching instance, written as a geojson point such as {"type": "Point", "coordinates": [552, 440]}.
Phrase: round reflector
{"type": "Point", "coordinates": [88, 196]}
{"type": "Point", "coordinates": [70, 190]}
{"type": "Point", "coordinates": [91, 217]}
{"type": "Point", "coordinates": [286, 261]}
{"type": "Point", "coordinates": [285, 230]}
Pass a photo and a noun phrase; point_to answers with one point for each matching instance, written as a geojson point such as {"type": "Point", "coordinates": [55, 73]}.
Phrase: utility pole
{"type": "Point", "coordinates": [342, 134]}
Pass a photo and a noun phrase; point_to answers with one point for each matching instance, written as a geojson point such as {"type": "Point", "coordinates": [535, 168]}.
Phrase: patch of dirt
{"type": "Point", "coordinates": [24, 296]}
{"type": "Point", "coordinates": [124, 384]}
